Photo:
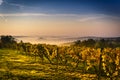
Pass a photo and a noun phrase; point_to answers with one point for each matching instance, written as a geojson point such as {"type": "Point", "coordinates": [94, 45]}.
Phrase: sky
{"type": "Point", "coordinates": [60, 17]}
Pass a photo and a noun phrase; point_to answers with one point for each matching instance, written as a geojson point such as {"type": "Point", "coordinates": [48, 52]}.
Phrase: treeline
{"type": "Point", "coordinates": [100, 57]}
{"type": "Point", "coordinates": [8, 42]}
{"type": "Point", "coordinates": [105, 42]}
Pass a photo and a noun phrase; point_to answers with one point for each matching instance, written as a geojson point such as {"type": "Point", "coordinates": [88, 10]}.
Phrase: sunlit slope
{"type": "Point", "coordinates": [15, 66]}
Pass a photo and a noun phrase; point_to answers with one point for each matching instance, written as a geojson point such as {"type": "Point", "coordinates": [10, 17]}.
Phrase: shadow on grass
{"type": "Point", "coordinates": [58, 76]}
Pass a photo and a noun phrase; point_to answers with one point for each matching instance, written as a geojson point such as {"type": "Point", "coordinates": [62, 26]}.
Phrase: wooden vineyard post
{"type": "Point", "coordinates": [100, 65]}
{"type": "Point", "coordinates": [57, 60]}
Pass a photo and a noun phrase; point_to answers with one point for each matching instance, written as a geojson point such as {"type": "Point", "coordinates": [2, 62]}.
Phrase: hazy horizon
{"type": "Point", "coordinates": [54, 40]}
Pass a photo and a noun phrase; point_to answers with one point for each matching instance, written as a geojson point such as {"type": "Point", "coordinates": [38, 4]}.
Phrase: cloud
{"type": "Point", "coordinates": [81, 17]}
{"type": "Point", "coordinates": [89, 19]}
{"type": "Point", "coordinates": [17, 5]}
{"type": "Point", "coordinates": [3, 18]}
{"type": "Point", "coordinates": [77, 17]}
{"type": "Point", "coordinates": [37, 14]}
{"type": "Point", "coordinates": [1, 1]}
{"type": "Point", "coordinates": [14, 4]}
{"type": "Point", "coordinates": [24, 14]}
{"type": "Point", "coordinates": [97, 17]}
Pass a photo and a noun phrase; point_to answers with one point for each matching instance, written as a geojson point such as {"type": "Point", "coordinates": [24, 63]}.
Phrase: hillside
{"type": "Point", "coordinates": [15, 66]}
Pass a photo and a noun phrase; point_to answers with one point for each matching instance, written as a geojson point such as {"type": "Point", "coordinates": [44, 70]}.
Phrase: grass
{"type": "Point", "coordinates": [16, 66]}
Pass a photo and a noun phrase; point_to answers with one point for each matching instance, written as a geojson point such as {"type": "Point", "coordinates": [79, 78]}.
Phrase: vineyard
{"type": "Point", "coordinates": [21, 61]}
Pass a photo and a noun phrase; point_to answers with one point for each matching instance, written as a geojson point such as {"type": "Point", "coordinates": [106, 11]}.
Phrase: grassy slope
{"type": "Point", "coordinates": [15, 66]}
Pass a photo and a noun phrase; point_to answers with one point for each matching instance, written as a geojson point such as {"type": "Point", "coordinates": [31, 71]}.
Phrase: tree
{"type": "Point", "coordinates": [8, 42]}
{"type": "Point", "coordinates": [77, 43]}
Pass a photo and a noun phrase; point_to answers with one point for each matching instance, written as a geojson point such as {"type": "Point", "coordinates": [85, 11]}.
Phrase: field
{"type": "Point", "coordinates": [15, 66]}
